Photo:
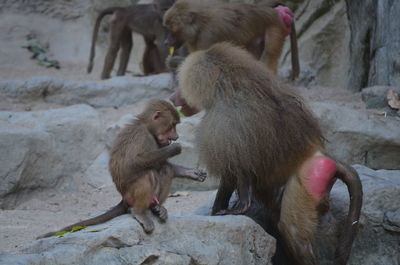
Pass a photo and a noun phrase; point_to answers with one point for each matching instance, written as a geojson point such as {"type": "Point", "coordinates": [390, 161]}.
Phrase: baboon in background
{"type": "Point", "coordinates": [143, 19]}
{"type": "Point", "coordinates": [162, 6]}
{"type": "Point", "coordinates": [139, 167]}
{"type": "Point", "coordinates": [262, 140]}
{"type": "Point", "coordinates": [247, 25]}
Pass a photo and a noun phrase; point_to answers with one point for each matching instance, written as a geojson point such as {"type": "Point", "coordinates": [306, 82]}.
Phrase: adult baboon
{"type": "Point", "coordinates": [143, 19]}
{"type": "Point", "coordinates": [259, 137]}
{"type": "Point", "coordinates": [139, 167]}
{"type": "Point", "coordinates": [247, 25]}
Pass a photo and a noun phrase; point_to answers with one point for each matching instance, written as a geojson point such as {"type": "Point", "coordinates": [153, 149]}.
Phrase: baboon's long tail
{"type": "Point", "coordinates": [350, 177]}
{"type": "Point", "coordinates": [294, 52]}
{"type": "Point", "coordinates": [107, 11]}
{"type": "Point", "coordinates": [120, 209]}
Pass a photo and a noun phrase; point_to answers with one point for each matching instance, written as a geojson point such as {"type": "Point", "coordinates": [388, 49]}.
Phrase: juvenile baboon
{"type": "Point", "coordinates": [143, 19]}
{"type": "Point", "coordinates": [262, 140]}
{"type": "Point", "coordinates": [247, 25]}
{"type": "Point", "coordinates": [140, 169]}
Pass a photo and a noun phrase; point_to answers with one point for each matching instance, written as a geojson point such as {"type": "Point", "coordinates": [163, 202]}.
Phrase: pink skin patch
{"type": "Point", "coordinates": [155, 200]}
{"type": "Point", "coordinates": [286, 16]}
{"type": "Point", "coordinates": [130, 202]}
{"type": "Point", "coordinates": [319, 176]}
{"type": "Point", "coordinates": [113, 17]}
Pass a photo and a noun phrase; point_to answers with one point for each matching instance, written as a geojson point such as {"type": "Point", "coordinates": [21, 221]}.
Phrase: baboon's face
{"type": "Point", "coordinates": [180, 22]}
{"type": "Point", "coordinates": [165, 128]}
{"type": "Point", "coordinates": [179, 101]}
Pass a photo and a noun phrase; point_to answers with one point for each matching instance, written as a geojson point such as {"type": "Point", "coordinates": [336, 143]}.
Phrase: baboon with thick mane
{"type": "Point", "coordinates": [260, 138]}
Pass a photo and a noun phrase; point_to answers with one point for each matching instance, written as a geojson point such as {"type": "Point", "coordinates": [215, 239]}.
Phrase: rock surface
{"type": "Point", "coordinates": [374, 44]}
{"type": "Point", "coordinates": [356, 136]}
{"type": "Point", "coordinates": [323, 37]}
{"type": "Point", "coordinates": [45, 149]}
{"type": "Point", "coordinates": [115, 92]}
{"type": "Point", "coordinates": [183, 240]}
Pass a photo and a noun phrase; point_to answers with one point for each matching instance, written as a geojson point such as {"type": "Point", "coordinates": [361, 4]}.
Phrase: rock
{"type": "Point", "coordinates": [359, 137]}
{"type": "Point", "coordinates": [114, 92]}
{"type": "Point", "coordinates": [323, 37]}
{"type": "Point", "coordinates": [378, 238]}
{"type": "Point", "coordinates": [97, 174]}
{"type": "Point", "coordinates": [392, 221]}
{"type": "Point", "coordinates": [374, 43]}
{"type": "Point", "coordinates": [376, 98]}
{"type": "Point", "coordinates": [184, 239]}
{"type": "Point", "coordinates": [46, 149]}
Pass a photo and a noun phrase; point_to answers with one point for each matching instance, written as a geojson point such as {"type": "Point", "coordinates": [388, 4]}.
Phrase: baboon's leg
{"type": "Point", "coordinates": [153, 61]}
{"type": "Point", "coordinates": [160, 211]}
{"type": "Point", "coordinates": [141, 192]}
{"type": "Point", "coordinates": [116, 30]}
{"type": "Point", "coordinates": [224, 194]}
{"type": "Point", "coordinates": [274, 40]}
{"type": "Point", "coordinates": [298, 225]}
{"type": "Point", "coordinates": [165, 176]}
{"type": "Point", "coordinates": [245, 194]}
{"type": "Point", "coordinates": [126, 48]}
{"type": "Point", "coordinates": [144, 220]}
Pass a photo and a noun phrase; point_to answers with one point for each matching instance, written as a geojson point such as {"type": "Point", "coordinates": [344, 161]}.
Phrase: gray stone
{"type": "Point", "coordinates": [359, 137]}
{"type": "Point", "coordinates": [374, 44]}
{"type": "Point", "coordinates": [184, 239]}
{"type": "Point", "coordinates": [46, 149]}
{"type": "Point", "coordinates": [392, 221]}
{"type": "Point", "coordinates": [114, 92]}
{"type": "Point", "coordinates": [375, 97]}
{"type": "Point", "coordinates": [323, 39]}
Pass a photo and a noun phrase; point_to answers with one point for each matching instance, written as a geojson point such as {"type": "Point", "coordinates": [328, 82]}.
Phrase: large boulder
{"type": "Point", "coordinates": [183, 240]}
{"type": "Point", "coordinates": [360, 137]}
{"type": "Point", "coordinates": [323, 37]}
{"type": "Point", "coordinates": [115, 92]}
{"type": "Point", "coordinates": [374, 44]}
{"type": "Point", "coordinates": [46, 149]}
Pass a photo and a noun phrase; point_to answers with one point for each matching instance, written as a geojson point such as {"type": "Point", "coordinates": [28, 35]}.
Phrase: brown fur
{"type": "Point", "coordinates": [143, 19]}
{"type": "Point", "coordinates": [139, 167]}
{"type": "Point", "coordinates": [257, 135]}
{"type": "Point", "coordinates": [247, 25]}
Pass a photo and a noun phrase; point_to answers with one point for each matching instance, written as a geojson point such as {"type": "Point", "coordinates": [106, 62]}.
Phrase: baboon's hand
{"type": "Point", "coordinates": [175, 149]}
{"type": "Point", "coordinates": [173, 62]}
{"type": "Point", "coordinates": [200, 174]}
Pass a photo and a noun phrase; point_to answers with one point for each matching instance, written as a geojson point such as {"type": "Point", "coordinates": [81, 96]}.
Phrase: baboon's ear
{"type": "Point", "coordinates": [156, 115]}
